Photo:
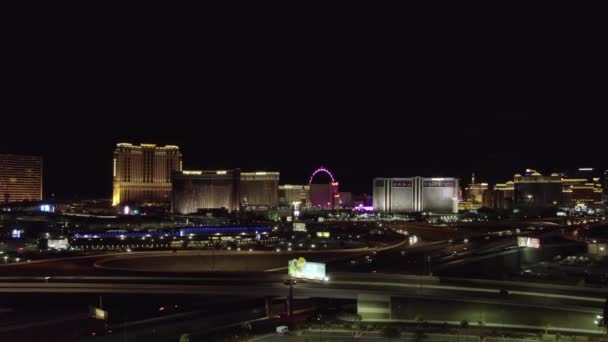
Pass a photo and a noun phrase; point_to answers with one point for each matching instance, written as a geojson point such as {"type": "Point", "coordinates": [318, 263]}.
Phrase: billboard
{"type": "Point", "coordinates": [57, 244]}
{"type": "Point", "coordinates": [300, 268]}
{"type": "Point", "coordinates": [524, 241]}
{"type": "Point", "coordinates": [98, 313]}
{"type": "Point", "coordinates": [299, 227]}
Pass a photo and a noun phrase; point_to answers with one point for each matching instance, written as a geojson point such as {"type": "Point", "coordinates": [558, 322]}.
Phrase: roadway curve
{"type": "Point", "coordinates": [182, 262]}
{"type": "Point", "coordinates": [228, 261]}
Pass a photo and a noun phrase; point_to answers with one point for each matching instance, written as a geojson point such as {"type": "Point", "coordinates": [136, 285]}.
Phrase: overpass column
{"type": "Point", "coordinates": [290, 299]}
{"type": "Point", "coordinates": [268, 305]}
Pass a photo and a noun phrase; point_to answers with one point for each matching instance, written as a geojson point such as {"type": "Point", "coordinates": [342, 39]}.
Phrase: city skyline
{"type": "Point", "coordinates": [567, 172]}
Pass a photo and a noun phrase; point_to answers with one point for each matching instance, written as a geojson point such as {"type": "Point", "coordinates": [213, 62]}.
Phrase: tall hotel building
{"type": "Point", "coordinates": [20, 178]}
{"type": "Point", "coordinates": [416, 194]}
{"type": "Point", "coordinates": [195, 190]}
{"type": "Point", "coordinates": [259, 189]}
{"type": "Point", "coordinates": [142, 173]}
{"type": "Point", "coordinates": [290, 194]}
{"type": "Point", "coordinates": [532, 189]}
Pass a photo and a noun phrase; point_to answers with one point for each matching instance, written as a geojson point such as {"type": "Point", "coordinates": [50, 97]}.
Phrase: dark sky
{"type": "Point", "coordinates": [361, 93]}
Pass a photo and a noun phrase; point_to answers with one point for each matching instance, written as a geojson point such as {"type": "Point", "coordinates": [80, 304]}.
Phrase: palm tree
{"type": "Point", "coordinates": [358, 320]}
{"type": "Point", "coordinates": [463, 324]}
{"type": "Point", "coordinates": [547, 325]}
{"type": "Point", "coordinates": [246, 327]}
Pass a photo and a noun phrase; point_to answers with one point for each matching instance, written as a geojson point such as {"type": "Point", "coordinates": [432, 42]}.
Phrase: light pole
{"type": "Point", "coordinates": [290, 299]}
{"type": "Point", "coordinates": [320, 328]}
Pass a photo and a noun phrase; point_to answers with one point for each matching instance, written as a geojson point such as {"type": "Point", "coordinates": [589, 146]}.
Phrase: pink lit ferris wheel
{"type": "Point", "coordinates": [324, 195]}
{"type": "Point", "coordinates": [322, 170]}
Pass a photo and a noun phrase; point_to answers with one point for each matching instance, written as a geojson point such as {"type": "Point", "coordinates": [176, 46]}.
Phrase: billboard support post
{"type": "Point", "coordinates": [290, 299]}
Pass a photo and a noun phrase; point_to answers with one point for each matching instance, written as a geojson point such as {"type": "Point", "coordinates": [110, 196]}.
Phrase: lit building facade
{"type": "Point", "coordinates": [502, 195]}
{"type": "Point", "coordinates": [416, 194]}
{"type": "Point", "coordinates": [605, 186]}
{"type": "Point", "coordinates": [474, 194]}
{"type": "Point", "coordinates": [195, 190]}
{"type": "Point", "coordinates": [532, 189]}
{"type": "Point", "coordinates": [20, 178]}
{"type": "Point", "coordinates": [345, 199]}
{"type": "Point", "coordinates": [290, 194]}
{"type": "Point", "coordinates": [142, 173]}
{"type": "Point", "coordinates": [582, 193]}
{"type": "Point", "coordinates": [259, 189]}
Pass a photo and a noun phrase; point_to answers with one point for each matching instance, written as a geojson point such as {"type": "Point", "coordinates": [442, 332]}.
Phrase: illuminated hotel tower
{"type": "Point", "coordinates": [20, 178]}
{"type": "Point", "coordinates": [142, 174]}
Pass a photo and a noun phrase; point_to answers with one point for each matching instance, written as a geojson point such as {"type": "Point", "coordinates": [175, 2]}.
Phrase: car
{"type": "Point", "coordinates": [503, 292]}
{"type": "Point", "coordinates": [94, 328]}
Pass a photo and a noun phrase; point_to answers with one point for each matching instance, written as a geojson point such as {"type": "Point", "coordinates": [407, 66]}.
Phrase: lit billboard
{"type": "Point", "coordinates": [300, 268]}
{"type": "Point", "coordinates": [57, 244]}
{"type": "Point", "coordinates": [524, 241]}
{"type": "Point", "coordinates": [299, 227]}
{"type": "Point", "coordinates": [98, 313]}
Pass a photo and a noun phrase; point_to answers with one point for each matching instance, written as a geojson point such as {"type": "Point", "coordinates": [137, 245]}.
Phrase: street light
{"type": "Point", "coordinates": [319, 316]}
{"type": "Point", "coordinates": [530, 197]}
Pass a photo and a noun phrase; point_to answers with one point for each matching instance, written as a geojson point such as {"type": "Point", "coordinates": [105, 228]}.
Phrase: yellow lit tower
{"type": "Point", "coordinates": [142, 173]}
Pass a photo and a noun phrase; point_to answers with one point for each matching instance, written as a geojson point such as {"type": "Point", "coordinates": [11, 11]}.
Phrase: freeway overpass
{"type": "Point", "coordinates": [379, 296]}
{"type": "Point", "coordinates": [341, 285]}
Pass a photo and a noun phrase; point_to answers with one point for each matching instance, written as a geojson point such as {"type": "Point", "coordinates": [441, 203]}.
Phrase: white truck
{"type": "Point", "coordinates": [282, 330]}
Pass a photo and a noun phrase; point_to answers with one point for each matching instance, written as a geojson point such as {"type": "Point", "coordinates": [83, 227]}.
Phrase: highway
{"type": "Point", "coordinates": [341, 285]}
{"type": "Point", "coordinates": [526, 304]}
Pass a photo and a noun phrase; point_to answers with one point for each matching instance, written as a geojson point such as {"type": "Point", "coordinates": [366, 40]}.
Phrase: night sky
{"type": "Point", "coordinates": [242, 88]}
